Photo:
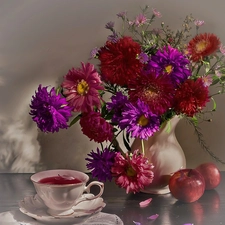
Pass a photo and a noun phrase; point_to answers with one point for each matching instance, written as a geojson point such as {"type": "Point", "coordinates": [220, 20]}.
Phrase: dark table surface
{"type": "Point", "coordinates": [208, 210]}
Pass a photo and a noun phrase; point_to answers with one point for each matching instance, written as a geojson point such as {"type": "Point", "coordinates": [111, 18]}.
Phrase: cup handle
{"type": "Point", "coordinates": [87, 189]}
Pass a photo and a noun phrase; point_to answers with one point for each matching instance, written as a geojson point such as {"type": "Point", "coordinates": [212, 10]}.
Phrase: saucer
{"type": "Point", "coordinates": [34, 207]}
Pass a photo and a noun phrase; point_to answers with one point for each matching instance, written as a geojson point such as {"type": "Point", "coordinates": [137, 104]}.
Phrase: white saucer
{"type": "Point", "coordinates": [34, 207]}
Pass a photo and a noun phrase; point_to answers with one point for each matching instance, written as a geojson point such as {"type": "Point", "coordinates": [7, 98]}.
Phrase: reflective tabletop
{"type": "Point", "coordinates": [208, 210]}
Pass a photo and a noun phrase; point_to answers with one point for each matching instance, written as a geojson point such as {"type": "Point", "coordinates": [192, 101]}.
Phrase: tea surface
{"type": "Point", "coordinates": [60, 179]}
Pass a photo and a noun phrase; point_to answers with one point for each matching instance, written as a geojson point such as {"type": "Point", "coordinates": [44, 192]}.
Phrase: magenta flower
{"type": "Point", "coordinates": [81, 87]}
{"type": "Point", "coordinates": [95, 127]}
{"type": "Point", "coordinates": [132, 172]}
{"type": "Point", "coordinates": [49, 110]}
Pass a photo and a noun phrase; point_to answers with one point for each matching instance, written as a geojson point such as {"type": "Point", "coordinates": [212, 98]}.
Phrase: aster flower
{"type": "Point", "coordinates": [222, 49]}
{"type": "Point", "coordinates": [113, 38]}
{"type": "Point", "coordinates": [110, 25]}
{"type": "Point", "coordinates": [100, 163]}
{"type": "Point", "coordinates": [95, 127]}
{"type": "Point", "coordinates": [156, 13]}
{"type": "Point", "coordinates": [140, 20]}
{"type": "Point", "coordinates": [81, 86]}
{"type": "Point", "coordinates": [49, 110]}
{"type": "Point", "coordinates": [171, 62]}
{"type": "Point", "coordinates": [139, 121]}
{"type": "Point", "coordinates": [122, 14]}
{"type": "Point", "coordinates": [118, 61]}
{"type": "Point", "coordinates": [207, 80]}
{"type": "Point", "coordinates": [116, 106]}
{"type": "Point", "coordinates": [191, 97]}
{"type": "Point", "coordinates": [199, 23]}
{"type": "Point", "coordinates": [132, 172]}
{"type": "Point", "coordinates": [203, 45]}
{"type": "Point", "coordinates": [94, 53]}
{"type": "Point", "coordinates": [156, 91]}
{"type": "Point", "coordinates": [143, 57]}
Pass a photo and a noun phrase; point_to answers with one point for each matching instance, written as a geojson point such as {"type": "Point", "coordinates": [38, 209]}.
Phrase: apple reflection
{"type": "Point", "coordinates": [198, 212]}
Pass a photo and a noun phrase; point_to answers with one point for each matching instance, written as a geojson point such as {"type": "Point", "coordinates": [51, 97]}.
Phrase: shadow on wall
{"type": "Point", "coordinates": [19, 148]}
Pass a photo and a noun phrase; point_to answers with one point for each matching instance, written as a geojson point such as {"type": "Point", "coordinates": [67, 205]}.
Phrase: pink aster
{"type": "Point", "coordinates": [222, 49]}
{"type": "Point", "coordinates": [156, 13]}
{"type": "Point", "coordinates": [207, 80]}
{"type": "Point", "coordinates": [132, 172]}
{"type": "Point", "coordinates": [95, 127]}
{"type": "Point", "coordinates": [140, 20]}
{"type": "Point", "coordinates": [199, 23]}
{"type": "Point", "coordinates": [81, 88]}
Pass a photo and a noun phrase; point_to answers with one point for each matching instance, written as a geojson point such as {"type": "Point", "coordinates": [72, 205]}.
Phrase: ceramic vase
{"type": "Point", "coordinates": [166, 154]}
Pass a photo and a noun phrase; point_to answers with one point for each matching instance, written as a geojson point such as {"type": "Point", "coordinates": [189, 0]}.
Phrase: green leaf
{"type": "Point", "coordinates": [194, 120]}
{"type": "Point", "coordinates": [75, 120]}
{"type": "Point", "coordinates": [214, 104]}
{"type": "Point", "coordinates": [207, 66]}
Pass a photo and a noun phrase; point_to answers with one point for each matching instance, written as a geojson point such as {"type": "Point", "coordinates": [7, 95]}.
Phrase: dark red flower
{"type": "Point", "coordinates": [119, 62]}
{"type": "Point", "coordinates": [203, 45]}
{"type": "Point", "coordinates": [191, 97]}
{"type": "Point", "coordinates": [95, 127]}
{"type": "Point", "coordinates": [155, 91]}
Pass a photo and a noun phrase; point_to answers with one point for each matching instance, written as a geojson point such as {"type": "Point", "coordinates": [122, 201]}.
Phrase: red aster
{"type": "Point", "coordinates": [119, 62]}
{"type": "Point", "coordinates": [203, 45]}
{"type": "Point", "coordinates": [95, 127]}
{"type": "Point", "coordinates": [155, 91]}
{"type": "Point", "coordinates": [191, 97]}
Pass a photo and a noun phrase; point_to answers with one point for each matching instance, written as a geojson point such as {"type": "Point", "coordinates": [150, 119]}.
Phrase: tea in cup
{"type": "Point", "coordinates": [62, 189]}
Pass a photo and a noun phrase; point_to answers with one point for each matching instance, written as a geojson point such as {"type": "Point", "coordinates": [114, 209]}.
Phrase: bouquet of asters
{"type": "Point", "coordinates": [151, 74]}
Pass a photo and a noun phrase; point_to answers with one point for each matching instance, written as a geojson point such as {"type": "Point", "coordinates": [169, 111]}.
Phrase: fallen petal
{"type": "Point", "coordinates": [137, 223]}
{"type": "Point", "coordinates": [145, 203]}
{"type": "Point", "coordinates": [153, 217]}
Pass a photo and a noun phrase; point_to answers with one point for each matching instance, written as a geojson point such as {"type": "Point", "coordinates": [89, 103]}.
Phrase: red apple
{"type": "Point", "coordinates": [187, 185]}
{"type": "Point", "coordinates": [211, 174]}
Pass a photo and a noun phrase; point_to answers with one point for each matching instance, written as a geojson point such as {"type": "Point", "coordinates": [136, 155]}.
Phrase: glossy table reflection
{"type": "Point", "coordinates": [208, 210]}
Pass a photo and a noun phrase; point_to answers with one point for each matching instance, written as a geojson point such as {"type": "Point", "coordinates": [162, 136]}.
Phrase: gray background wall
{"type": "Point", "coordinates": [40, 40]}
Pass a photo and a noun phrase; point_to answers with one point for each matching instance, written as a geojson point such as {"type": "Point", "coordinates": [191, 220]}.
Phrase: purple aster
{"type": "Point", "coordinates": [110, 25]}
{"type": "Point", "coordinates": [122, 15]}
{"type": "Point", "coordinates": [49, 110]}
{"type": "Point", "coordinates": [113, 37]}
{"type": "Point", "coordinates": [139, 120]}
{"type": "Point", "coordinates": [100, 164]}
{"type": "Point", "coordinates": [94, 53]}
{"type": "Point", "coordinates": [143, 57]}
{"type": "Point", "coordinates": [116, 106]}
{"type": "Point", "coordinates": [171, 62]}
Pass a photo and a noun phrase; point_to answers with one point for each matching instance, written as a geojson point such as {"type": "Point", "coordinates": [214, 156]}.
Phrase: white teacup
{"type": "Point", "coordinates": [60, 197]}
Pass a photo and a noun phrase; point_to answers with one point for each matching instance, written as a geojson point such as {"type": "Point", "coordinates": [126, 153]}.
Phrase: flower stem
{"type": "Point", "coordinates": [142, 147]}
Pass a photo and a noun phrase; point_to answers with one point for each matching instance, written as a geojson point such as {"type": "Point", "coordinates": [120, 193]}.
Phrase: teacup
{"type": "Point", "coordinates": [62, 189]}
